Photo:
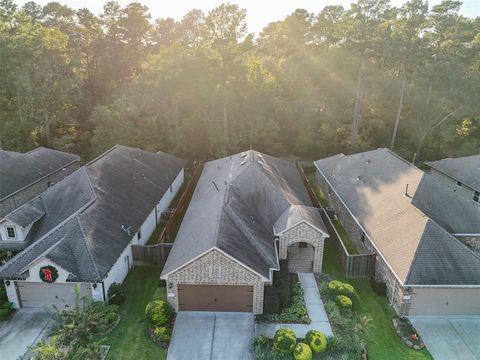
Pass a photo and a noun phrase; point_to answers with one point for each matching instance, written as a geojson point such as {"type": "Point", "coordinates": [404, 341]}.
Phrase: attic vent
{"type": "Point", "coordinates": [260, 162]}
{"type": "Point", "coordinates": [243, 162]}
{"type": "Point", "coordinates": [243, 155]}
{"type": "Point", "coordinates": [359, 178]}
{"type": "Point", "coordinates": [368, 161]}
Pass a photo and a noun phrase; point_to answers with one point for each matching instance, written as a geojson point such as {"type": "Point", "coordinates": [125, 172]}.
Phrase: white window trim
{"type": "Point", "coordinates": [14, 231]}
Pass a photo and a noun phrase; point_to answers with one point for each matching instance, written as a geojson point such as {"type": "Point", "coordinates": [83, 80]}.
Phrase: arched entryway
{"type": "Point", "coordinates": [300, 257]}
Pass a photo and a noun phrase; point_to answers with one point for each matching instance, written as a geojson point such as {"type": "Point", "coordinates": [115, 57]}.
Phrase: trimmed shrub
{"type": "Point", "coordinates": [344, 302]}
{"type": "Point", "coordinates": [116, 294]}
{"type": "Point", "coordinates": [284, 340]}
{"type": "Point", "coordinates": [158, 312]}
{"type": "Point", "coordinates": [162, 333]}
{"type": "Point", "coordinates": [316, 340]}
{"type": "Point", "coordinates": [340, 288]}
{"type": "Point", "coordinates": [302, 351]}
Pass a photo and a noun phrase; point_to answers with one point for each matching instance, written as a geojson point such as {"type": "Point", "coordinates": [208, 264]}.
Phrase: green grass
{"type": "Point", "coordinates": [346, 239]}
{"type": "Point", "coordinates": [384, 342]}
{"type": "Point", "coordinates": [313, 183]}
{"type": "Point", "coordinates": [129, 339]}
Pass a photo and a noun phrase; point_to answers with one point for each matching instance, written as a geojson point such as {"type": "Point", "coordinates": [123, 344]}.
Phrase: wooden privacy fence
{"type": "Point", "coordinates": [308, 186]}
{"type": "Point", "coordinates": [354, 265]}
{"type": "Point", "coordinates": [177, 215]}
{"type": "Point", "coordinates": [151, 254]}
{"type": "Point", "coordinates": [157, 254]}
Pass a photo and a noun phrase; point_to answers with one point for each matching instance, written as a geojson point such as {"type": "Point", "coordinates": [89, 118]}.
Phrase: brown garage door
{"type": "Point", "coordinates": [215, 298]}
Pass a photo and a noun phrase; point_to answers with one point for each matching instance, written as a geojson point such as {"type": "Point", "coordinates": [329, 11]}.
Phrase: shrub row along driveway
{"type": "Point", "coordinates": [211, 336]}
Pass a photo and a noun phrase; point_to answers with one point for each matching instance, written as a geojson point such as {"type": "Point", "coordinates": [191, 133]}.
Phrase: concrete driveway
{"type": "Point", "coordinates": [212, 336]}
{"type": "Point", "coordinates": [24, 329]}
{"type": "Point", "coordinates": [450, 338]}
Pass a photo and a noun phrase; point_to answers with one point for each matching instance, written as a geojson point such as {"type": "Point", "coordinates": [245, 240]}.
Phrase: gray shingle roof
{"type": "Point", "coordinates": [81, 229]}
{"type": "Point", "coordinates": [441, 260]}
{"type": "Point", "coordinates": [373, 185]}
{"type": "Point", "coordinates": [465, 169]}
{"type": "Point", "coordinates": [18, 170]}
{"type": "Point", "coordinates": [28, 213]}
{"type": "Point", "coordinates": [237, 201]}
{"type": "Point", "coordinates": [298, 213]}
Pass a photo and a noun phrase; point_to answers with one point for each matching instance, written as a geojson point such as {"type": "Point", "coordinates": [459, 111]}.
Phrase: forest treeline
{"type": "Point", "coordinates": [309, 85]}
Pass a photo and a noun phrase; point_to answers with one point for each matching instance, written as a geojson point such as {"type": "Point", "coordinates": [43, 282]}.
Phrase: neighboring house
{"type": "Point", "coordinates": [407, 218]}
{"type": "Point", "coordinates": [80, 231]}
{"type": "Point", "coordinates": [248, 210]}
{"type": "Point", "coordinates": [461, 175]}
{"type": "Point", "coordinates": [24, 176]}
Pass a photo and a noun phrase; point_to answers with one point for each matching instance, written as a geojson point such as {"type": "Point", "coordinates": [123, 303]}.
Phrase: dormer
{"type": "Point", "coordinates": [16, 225]}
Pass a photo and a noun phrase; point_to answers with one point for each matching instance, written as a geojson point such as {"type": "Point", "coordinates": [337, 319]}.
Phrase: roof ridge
{"type": "Point", "coordinates": [84, 237]}
{"type": "Point", "coordinates": [106, 152]}
{"type": "Point", "coordinates": [240, 225]}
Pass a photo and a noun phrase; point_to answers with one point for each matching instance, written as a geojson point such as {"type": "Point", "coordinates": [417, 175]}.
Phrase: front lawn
{"type": "Point", "coordinates": [129, 339]}
{"type": "Point", "coordinates": [383, 342]}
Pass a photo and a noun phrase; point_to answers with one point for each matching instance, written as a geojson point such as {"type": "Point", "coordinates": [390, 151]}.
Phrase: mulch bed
{"type": "Point", "coordinates": [407, 333]}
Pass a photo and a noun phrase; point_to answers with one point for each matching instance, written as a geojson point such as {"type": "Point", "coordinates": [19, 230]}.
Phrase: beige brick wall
{"type": "Point", "coordinates": [214, 268]}
{"type": "Point", "coordinates": [303, 232]}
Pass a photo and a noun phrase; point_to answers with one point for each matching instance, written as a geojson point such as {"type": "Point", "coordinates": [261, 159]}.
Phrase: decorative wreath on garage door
{"type": "Point", "coordinates": [48, 274]}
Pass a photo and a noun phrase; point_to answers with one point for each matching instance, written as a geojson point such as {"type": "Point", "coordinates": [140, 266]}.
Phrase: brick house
{"type": "Point", "coordinates": [408, 218]}
{"type": "Point", "coordinates": [80, 230]}
{"type": "Point", "coordinates": [248, 211]}
{"type": "Point", "coordinates": [25, 175]}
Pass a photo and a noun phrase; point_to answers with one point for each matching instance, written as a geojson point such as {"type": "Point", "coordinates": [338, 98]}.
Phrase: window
{"type": "Point", "coordinates": [363, 237]}
{"type": "Point", "coordinates": [139, 235]}
{"type": "Point", "coordinates": [10, 232]}
{"type": "Point", "coordinates": [459, 184]}
{"type": "Point", "coordinates": [476, 196]}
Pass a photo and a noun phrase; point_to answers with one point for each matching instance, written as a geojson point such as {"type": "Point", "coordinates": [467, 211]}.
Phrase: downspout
{"type": "Point", "coordinates": [103, 291]}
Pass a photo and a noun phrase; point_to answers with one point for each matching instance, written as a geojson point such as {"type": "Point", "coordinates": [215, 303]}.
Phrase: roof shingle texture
{"type": "Point", "coordinates": [237, 201]}
{"type": "Point", "coordinates": [18, 170]}
{"type": "Point", "coordinates": [373, 186]}
{"type": "Point", "coordinates": [82, 226]}
{"type": "Point", "coordinates": [465, 169]}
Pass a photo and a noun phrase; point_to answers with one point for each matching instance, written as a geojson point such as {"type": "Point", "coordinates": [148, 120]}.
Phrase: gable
{"type": "Point", "coordinates": [213, 266]}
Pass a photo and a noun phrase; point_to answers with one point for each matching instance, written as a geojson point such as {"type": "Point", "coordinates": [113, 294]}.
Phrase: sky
{"type": "Point", "coordinates": [259, 12]}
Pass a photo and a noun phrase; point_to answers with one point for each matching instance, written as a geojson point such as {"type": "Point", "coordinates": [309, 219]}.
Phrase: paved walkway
{"type": "Point", "coordinates": [316, 312]}
{"type": "Point", "coordinates": [199, 335]}
{"type": "Point", "coordinates": [24, 329]}
{"type": "Point", "coordinates": [450, 338]}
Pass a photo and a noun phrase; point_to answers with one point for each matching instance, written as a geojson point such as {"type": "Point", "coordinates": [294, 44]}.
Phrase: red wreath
{"type": "Point", "coordinates": [48, 274]}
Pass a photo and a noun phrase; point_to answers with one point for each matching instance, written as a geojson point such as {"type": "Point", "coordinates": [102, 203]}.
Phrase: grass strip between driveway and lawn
{"type": "Point", "coordinates": [129, 340]}
{"type": "Point", "coordinates": [383, 342]}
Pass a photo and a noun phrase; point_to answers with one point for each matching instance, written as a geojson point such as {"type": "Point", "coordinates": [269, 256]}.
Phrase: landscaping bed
{"type": "Point", "coordinates": [407, 333]}
{"type": "Point", "coordinates": [284, 300]}
{"type": "Point", "coordinates": [382, 340]}
{"type": "Point", "coordinates": [286, 346]}
{"type": "Point", "coordinates": [78, 331]}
